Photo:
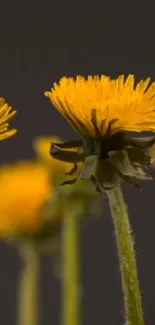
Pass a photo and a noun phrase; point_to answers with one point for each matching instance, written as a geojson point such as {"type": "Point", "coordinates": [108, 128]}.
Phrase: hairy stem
{"type": "Point", "coordinates": [127, 260]}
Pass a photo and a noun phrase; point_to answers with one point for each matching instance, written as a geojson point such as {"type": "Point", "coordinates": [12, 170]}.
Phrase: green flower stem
{"type": "Point", "coordinates": [28, 288]}
{"type": "Point", "coordinates": [71, 293]}
{"type": "Point", "coordinates": [127, 260]}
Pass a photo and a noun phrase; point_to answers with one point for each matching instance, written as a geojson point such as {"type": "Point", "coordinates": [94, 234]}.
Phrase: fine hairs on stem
{"type": "Point", "coordinates": [127, 260]}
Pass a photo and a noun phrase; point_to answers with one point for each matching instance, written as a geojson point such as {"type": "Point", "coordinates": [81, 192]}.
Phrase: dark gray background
{"type": "Point", "coordinates": [40, 42]}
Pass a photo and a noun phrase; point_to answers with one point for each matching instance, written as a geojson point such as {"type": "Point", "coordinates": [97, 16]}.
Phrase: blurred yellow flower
{"type": "Point", "coordinates": [5, 116]}
{"type": "Point", "coordinates": [117, 104]}
{"type": "Point", "coordinates": [24, 188]}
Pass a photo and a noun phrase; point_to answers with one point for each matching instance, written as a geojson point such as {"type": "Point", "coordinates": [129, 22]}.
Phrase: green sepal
{"type": "Point", "coordinates": [89, 167]}
{"type": "Point", "coordinates": [100, 187]}
{"type": "Point", "coordinates": [141, 142]}
{"type": "Point", "coordinates": [108, 132]}
{"type": "Point", "coordinates": [138, 156]}
{"type": "Point", "coordinates": [73, 170]}
{"type": "Point", "coordinates": [132, 181]}
{"type": "Point", "coordinates": [69, 182]}
{"type": "Point", "coordinates": [107, 175]}
{"type": "Point", "coordinates": [67, 156]}
{"type": "Point", "coordinates": [95, 123]}
{"type": "Point", "coordinates": [142, 173]}
{"type": "Point", "coordinates": [69, 144]}
{"type": "Point", "coordinates": [122, 163]}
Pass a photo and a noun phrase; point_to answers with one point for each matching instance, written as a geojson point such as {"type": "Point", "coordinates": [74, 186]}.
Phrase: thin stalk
{"type": "Point", "coordinates": [28, 309]}
{"type": "Point", "coordinates": [70, 254]}
{"type": "Point", "coordinates": [127, 260]}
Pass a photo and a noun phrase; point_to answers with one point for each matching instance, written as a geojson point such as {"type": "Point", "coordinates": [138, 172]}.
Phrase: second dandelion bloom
{"type": "Point", "coordinates": [24, 189]}
{"type": "Point", "coordinates": [105, 111]}
{"type": "Point", "coordinates": [6, 114]}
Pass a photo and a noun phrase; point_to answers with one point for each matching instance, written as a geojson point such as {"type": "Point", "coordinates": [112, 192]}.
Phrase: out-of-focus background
{"type": "Point", "coordinates": [40, 42]}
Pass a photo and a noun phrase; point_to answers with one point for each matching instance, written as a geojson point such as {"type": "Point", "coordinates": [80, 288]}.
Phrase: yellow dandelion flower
{"type": "Point", "coordinates": [105, 111]}
{"type": "Point", "coordinates": [116, 102]}
{"type": "Point", "coordinates": [24, 187]}
{"type": "Point", "coordinates": [5, 116]}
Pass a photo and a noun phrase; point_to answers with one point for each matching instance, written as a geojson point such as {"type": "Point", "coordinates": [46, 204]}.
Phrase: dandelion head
{"type": "Point", "coordinates": [104, 112]}
{"type": "Point", "coordinates": [6, 114]}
